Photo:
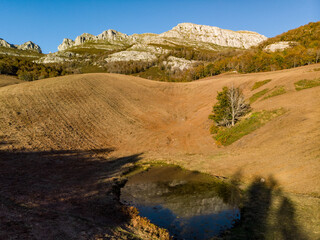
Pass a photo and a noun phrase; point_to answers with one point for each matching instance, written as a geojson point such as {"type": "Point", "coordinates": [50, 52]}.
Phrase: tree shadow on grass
{"type": "Point", "coordinates": [256, 206]}
{"type": "Point", "coordinates": [287, 221]}
{"type": "Point", "coordinates": [64, 194]}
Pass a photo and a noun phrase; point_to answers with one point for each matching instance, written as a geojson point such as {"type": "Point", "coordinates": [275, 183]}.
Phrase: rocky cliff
{"type": "Point", "coordinates": [25, 46]}
{"type": "Point", "coordinates": [110, 36]}
{"type": "Point", "coordinates": [185, 33]}
{"type": "Point", "coordinates": [214, 35]}
{"type": "Point", "coordinates": [148, 47]}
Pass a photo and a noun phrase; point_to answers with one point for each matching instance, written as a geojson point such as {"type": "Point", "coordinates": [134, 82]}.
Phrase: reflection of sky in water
{"type": "Point", "coordinates": [177, 205]}
{"type": "Point", "coordinates": [195, 227]}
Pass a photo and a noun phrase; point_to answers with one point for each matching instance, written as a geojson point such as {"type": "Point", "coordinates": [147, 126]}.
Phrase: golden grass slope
{"type": "Point", "coordinates": [169, 121]}
{"type": "Point", "coordinates": [8, 80]}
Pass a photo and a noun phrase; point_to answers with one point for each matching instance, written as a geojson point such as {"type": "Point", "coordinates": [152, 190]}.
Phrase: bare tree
{"type": "Point", "coordinates": [229, 107]}
{"type": "Point", "coordinates": [238, 107]}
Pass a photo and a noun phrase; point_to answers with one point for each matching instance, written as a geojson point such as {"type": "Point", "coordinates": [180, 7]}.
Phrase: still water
{"type": "Point", "coordinates": [189, 204]}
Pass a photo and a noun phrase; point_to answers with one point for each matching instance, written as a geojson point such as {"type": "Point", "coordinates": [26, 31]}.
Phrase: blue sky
{"type": "Point", "coordinates": [48, 22]}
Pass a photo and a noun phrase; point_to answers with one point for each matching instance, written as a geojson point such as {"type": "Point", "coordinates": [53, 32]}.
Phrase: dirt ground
{"type": "Point", "coordinates": [6, 80]}
{"type": "Point", "coordinates": [65, 141]}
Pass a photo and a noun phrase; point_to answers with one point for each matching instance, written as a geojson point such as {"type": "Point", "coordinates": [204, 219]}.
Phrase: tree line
{"type": "Point", "coordinates": [27, 70]}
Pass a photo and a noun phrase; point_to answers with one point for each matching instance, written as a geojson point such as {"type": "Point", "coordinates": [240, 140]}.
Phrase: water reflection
{"type": "Point", "coordinates": [189, 204]}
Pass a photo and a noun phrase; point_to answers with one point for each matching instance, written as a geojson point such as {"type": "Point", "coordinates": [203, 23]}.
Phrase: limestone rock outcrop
{"type": "Point", "coordinates": [4, 43]}
{"type": "Point", "coordinates": [188, 34]}
{"type": "Point", "coordinates": [109, 36]}
{"type": "Point", "coordinates": [215, 35]}
{"type": "Point", "coordinates": [30, 46]}
{"type": "Point", "coordinates": [279, 46]}
{"type": "Point", "coordinates": [112, 35]}
{"type": "Point", "coordinates": [58, 57]}
{"type": "Point", "coordinates": [66, 43]}
{"type": "Point", "coordinates": [175, 63]}
{"type": "Point", "coordinates": [131, 56]}
{"type": "Point", "coordinates": [25, 46]}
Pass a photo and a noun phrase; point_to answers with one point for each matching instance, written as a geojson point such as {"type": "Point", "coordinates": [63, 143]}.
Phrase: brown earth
{"type": "Point", "coordinates": [6, 80]}
{"type": "Point", "coordinates": [83, 130]}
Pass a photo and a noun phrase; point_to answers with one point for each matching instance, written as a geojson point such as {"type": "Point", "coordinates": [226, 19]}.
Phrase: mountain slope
{"type": "Point", "coordinates": [134, 115]}
{"type": "Point", "coordinates": [27, 49]}
{"type": "Point", "coordinates": [8, 80]}
{"type": "Point", "coordinates": [307, 35]}
{"type": "Point", "coordinates": [184, 35]}
{"type": "Point", "coordinates": [64, 143]}
{"type": "Point", "coordinates": [297, 47]}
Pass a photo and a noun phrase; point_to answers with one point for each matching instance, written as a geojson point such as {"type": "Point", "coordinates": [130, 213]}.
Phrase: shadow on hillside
{"type": "Point", "coordinates": [257, 205]}
{"type": "Point", "coordinates": [286, 220]}
{"type": "Point", "coordinates": [60, 194]}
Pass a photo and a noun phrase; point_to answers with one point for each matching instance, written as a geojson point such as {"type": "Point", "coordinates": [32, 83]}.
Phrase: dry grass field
{"type": "Point", "coordinates": [64, 140]}
{"type": "Point", "coordinates": [8, 80]}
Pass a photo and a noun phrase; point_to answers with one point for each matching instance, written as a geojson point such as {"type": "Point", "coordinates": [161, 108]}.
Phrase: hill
{"type": "Point", "coordinates": [113, 51]}
{"type": "Point", "coordinates": [8, 80]}
{"type": "Point", "coordinates": [134, 115]}
{"type": "Point", "coordinates": [65, 141]}
{"type": "Point", "coordinates": [27, 49]}
{"type": "Point", "coordinates": [297, 47]}
{"type": "Point", "coordinates": [185, 53]}
{"type": "Point", "coordinates": [307, 36]}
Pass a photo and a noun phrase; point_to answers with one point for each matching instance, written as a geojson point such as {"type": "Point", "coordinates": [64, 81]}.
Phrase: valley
{"type": "Point", "coordinates": [73, 136]}
{"type": "Point", "coordinates": [115, 135]}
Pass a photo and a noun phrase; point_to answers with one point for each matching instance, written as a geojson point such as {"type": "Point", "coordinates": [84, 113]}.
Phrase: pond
{"type": "Point", "coordinates": [190, 205]}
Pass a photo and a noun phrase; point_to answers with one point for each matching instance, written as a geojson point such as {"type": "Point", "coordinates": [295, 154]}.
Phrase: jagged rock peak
{"type": "Point", "coordinates": [108, 35]}
{"type": "Point", "coordinates": [4, 43]}
{"type": "Point", "coordinates": [84, 37]}
{"type": "Point", "coordinates": [25, 46]}
{"type": "Point", "coordinates": [183, 32]}
{"type": "Point", "coordinates": [66, 43]}
{"type": "Point", "coordinates": [215, 35]}
{"type": "Point", "coordinates": [112, 35]}
{"type": "Point", "coordinates": [30, 46]}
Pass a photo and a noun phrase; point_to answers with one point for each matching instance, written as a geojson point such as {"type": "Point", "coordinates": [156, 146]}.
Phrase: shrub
{"type": "Point", "coordinates": [260, 83]}
{"type": "Point", "coordinates": [257, 95]}
{"type": "Point", "coordinates": [304, 84]}
{"type": "Point", "coordinates": [277, 91]}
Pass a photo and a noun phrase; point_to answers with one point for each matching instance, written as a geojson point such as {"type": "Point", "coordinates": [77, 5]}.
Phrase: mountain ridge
{"type": "Point", "coordinates": [29, 45]}
{"type": "Point", "coordinates": [202, 33]}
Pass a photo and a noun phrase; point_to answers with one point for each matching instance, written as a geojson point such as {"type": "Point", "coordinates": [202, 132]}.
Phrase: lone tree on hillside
{"type": "Point", "coordinates": [230, 107]}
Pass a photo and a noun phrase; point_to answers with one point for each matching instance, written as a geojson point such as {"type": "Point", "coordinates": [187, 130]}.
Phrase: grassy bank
{"type": "Point", "coordinates": [227, 136]}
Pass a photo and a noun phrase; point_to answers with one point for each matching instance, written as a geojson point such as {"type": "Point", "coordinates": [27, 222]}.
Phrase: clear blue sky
{"type": "Point", "coordinates": [48, 22]}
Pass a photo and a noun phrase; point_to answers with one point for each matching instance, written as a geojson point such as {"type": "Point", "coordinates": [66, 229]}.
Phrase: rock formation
{"type": "Point", "coordinates": [4, 43]}
{"type": "Point", "coordinates": [175, 63]}
{"type": "Point", "coordinates": [131, 56]}
{"type": "Point", "coordinates": [215, 35]}
{"type": "Point", "coordinates": [58, 57]}
{"type": "Point", "coordinates": [30, 46]}
{"type": "Point", "coordinates": [25, 46]}
{"type": "Point", "coordinates": [150, 47]}
{"type": "Point", "coordinates": [279, 46]}
{"type": "Point", "coordinates": [184, 33]}
{"type": "Point", "coordinates": [112, 35]}
{"type": "Point", "coordinates": [109, 36]}
{"type": "Point", "coordinates": [66, 43]}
